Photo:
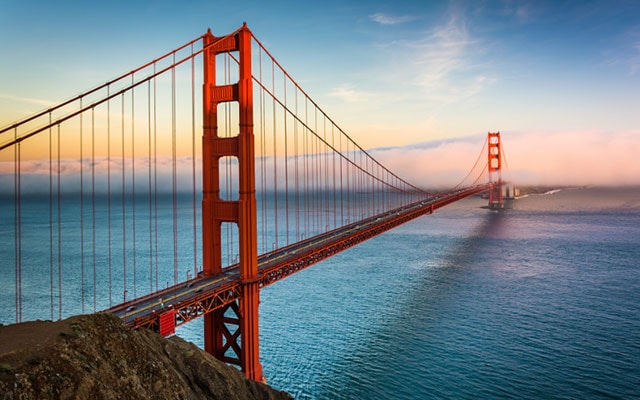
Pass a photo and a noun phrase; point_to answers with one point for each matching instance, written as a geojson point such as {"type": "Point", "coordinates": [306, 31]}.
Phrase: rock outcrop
{"type": "Point", "coordinates": [98, 357]}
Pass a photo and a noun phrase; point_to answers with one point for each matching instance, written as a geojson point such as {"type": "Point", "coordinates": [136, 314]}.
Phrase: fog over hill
{"type": "Point", "coordinates": [532, 158]}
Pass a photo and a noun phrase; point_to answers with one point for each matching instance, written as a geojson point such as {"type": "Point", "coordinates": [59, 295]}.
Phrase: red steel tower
{"type": "Point", "coordinates": [231, 333]}
{"type": "Point", "coordinates": [495, 170]}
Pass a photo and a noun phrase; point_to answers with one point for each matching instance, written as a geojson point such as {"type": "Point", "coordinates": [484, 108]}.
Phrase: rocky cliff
{"type": "Point", "coordinates": [97, 357]}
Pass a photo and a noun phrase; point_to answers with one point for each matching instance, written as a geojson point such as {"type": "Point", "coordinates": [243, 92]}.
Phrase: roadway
{"type": "Point", "coordinates": [193, 298]}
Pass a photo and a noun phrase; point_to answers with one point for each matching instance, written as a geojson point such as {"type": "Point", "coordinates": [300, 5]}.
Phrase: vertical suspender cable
{"type": "Point", "coordinates": [388, 191]}
{"type": "Point", "coordinates": [366, 186]}
{"type": "Point", "coordinates": [342, 222]}
{"type": "Point", "coordinates": [124, 208]}
{"type": "Point", "coordinates": [59, 231]}
{"type": "Point", "coordinates": [363, 185]}
{"type": "Point", "coordinates": [326, 178]}
{"type": "Point", "coordinates": [373, 186]}
{"type": "Point", "coordinates": [378, 190]}
{"type": "Point", "coordinates": [110, 261]}
{"type": "Point", "coordinates": [382, 191]}
{"type": "Point", "coordinates": [309, 182]}
{"type": "Point", "coordinates": [343, 177]}
{"type": "Point", "coordinates": [133, 188]}
{"type": "Point", "coordinates": [321, 178]}
{"type": "Point", "coordinates": [174, 182]}
{"type": "Point", "coordinates": [318, 173]}
{"type": "Point", "coordinates": [355, 187]}
{"type": "Point", "coordinates": [315, 173]}
{"type": "Point", "coordinates": [348, 188]}
{"type": "Point", "coordinates": [384, 188]}
{"type": "Point", "coordinates": [363, 200]}
{"type": "Point", "coordinates": [369, 185]}
{"type": "Point", "coordinates": [149, 187]}
{"type": "Point", "coordinates": [356, 184]}
{"type": "Point", "coordinates": [286, 163]}
{"type": "Point", "coordinates": [309, 179]}
{"type": "Point", "coordinates": [227, 166]}
{"type": "Point", "coordinates": [229, 178]}
{"type": "Point", "coordinates": [325, 189]}
{"type": "Point", "coordinates": [305, 139]}
{"type": "Point", "coordinates": [275, 156]}
{"type": "Point", "coordinates": [263, 159]}
{"type": "Point", "coordinates": [350, 183]}
{"type": "Point", "coordinates": [261, 152]}
{"type": "Point", "coordinates": [323, 175]}
{"type": "Point", "coordinates": [193, 162]}
{"type": "Point", "coordinates": [51, 216]}
{"type": "Point", "coordinates": [93, 203]}
{"type": "Point", "coordinates": [155, 175]}
{"type": "Point", "coordinates": [81, 214]}
{"type": "Point", "coordinates": [19, 224]}
{"type": "Point", "coordinates": [335, 198]}
{"type": "Point", "coordinates": [260, 155]}
{"type": "Point", "coordinates": [296, 153]}
{"type": "Point", "coordinates": [17, 228]}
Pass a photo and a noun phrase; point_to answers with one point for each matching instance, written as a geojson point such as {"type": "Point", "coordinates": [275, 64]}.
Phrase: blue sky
{"type": "Point", "coordinates": [560, 79]}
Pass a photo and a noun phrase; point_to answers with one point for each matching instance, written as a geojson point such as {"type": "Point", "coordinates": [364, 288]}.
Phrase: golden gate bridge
{"type": "Point", "coordinates": [210, 158]}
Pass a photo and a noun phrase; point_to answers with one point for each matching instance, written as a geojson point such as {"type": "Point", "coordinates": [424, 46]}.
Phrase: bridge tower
{"type": "Point", "coordinates": [495, 170]}
{"type": "Point", "coordinates": [231, 333]}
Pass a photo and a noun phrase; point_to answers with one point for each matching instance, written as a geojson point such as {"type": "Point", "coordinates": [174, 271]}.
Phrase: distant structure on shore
{"type": "Point", "coordinates": [510, 191]}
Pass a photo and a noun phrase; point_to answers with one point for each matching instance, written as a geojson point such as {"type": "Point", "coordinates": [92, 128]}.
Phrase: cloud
{"type": "Point", "coordinates": [35, 174]}
{"type": "Point", "coordinates": [348, 94]}
{"type": "Point", "coordinates": [384, 19]}
{"type": "Point", "coordinates": [522, 12]}
{"type": "Point", "coordinates": [445, 65]}
{"type": "Point", "coordinates": [633, 60]}
{"type": "Point", "coordinates": [444, 61]}
{"type": "Point", "coordinates": [39, 102]}
{"type": "Point", "coordinates": [532, 158]}
{"type": "Point", "coordinates": [625, 52]}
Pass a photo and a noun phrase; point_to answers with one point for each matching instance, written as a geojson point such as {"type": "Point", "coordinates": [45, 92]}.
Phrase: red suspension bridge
{"type": "Point", "coordinates": [210, 160]}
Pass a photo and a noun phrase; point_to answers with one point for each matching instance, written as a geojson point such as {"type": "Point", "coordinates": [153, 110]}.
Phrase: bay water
{"type": "Point", "coordinates": [541, 300]}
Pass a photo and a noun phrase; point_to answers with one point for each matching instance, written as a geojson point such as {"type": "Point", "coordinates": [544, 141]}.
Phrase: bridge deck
{"type": "Point", "coordinates": [196, 297]}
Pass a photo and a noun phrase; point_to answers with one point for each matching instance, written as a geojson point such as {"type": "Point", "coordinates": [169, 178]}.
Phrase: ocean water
{"type": "Point", "coordinates": [541, 301]}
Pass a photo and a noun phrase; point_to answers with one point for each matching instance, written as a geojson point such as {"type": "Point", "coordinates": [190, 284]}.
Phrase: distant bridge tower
{"type": "Point", "coordinates": [231, 333]}
{"type": "Point", "coordinates": [495, 170]}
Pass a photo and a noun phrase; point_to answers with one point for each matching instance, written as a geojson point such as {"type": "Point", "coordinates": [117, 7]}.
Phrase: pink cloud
{"type": "Point", "coordinates": [532, 158]}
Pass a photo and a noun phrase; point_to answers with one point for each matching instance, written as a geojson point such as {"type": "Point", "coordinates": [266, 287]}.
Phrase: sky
{"type": "Point", "coordinates": [419, 83]}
